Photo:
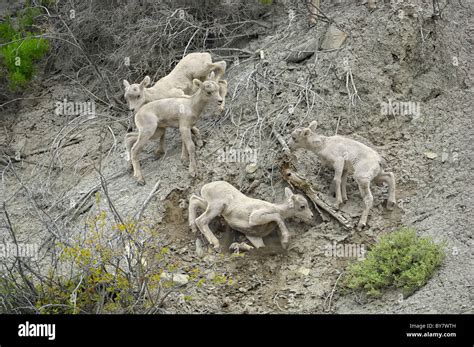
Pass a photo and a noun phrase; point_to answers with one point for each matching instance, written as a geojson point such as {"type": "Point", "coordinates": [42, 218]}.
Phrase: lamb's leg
{"type": "Point", "coordinates": [364, 187]}
{"type": "Point", "coordinates": [389, 178]}
{"type": "Point", "coordinates": [260, 217]}
{"type": "Point", "coordinates": [345, 173]}
{"type": "Point", "coordinates": [256, 241]}
{"type": "Point", "coordinates": [161, 132]}
{"type": "Point", "coordinates": [190, 148]}
{"type": "Point", "coordinates": [130, 139]}
{"type": "Point", "coordinates": [197, 135]}
{"type": "Point", "coordinates": [176, 93]}
{"type": "Point", "coordinates": [184, 153]}
{"type": "Point", "coordinates": [338, 169]}
{"type": "Point", "coordinates": [218, 68]}
{"type": "Point", "coordinates": [202, 222]}
{"type": "Point", "coordinates": [143, 138]}
{"type": "Point", "coordinates": [195, 202]}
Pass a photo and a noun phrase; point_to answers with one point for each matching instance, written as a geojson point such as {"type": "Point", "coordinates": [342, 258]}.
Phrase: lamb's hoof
{"type": "Point", "coordinates": [284, 245]}
{"type": "Point", "coordinates": [390, 205]}
{"type": "Point", "coordinates": [159, 154]}
{"type": "Point", "coordinates": [192, 173]}
{"type": "Point", "coordinates": [360, 226]}
{"type": "Point", "coordinates": [338, 204]}
{"type": "Point", "coordinates": [193, 227]}
{"type": "Point", "coordinates": [141, 181]}
{"type": "Point", "coordinates": [236, 247]}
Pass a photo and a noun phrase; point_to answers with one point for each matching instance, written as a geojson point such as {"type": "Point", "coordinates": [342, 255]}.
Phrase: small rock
{"type": "Point", "coordinates": [431, 155]}
{"type": "Point", "coordinates": [199, 250]}
{"type": "Point", "coordinates": [304, 271]}
{"type": "Point", "coordinates": [209, 259]}
{"type": "Point", "coordinates": [242, 246]}
{"type": "Point", "coordinates": [333, 39]}
{"type": "Point", "coordinates": [251, 168]}
{"type": "Point", "coordinates": [444, 157]}
{"type": "Point", "coordinates": [175, 278]}
{"type": "Point", "coordinates": [226, 302]}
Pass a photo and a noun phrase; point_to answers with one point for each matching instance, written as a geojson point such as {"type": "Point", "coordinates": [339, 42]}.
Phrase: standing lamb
{"type": "Point", "coordinates": [178, 82]}
{"type": "Point", "coordinates": [252, 217]}
{"type": "Point", "coordinates": [153, 118]}
{"type": "Point", "coordinates": [347, 156]}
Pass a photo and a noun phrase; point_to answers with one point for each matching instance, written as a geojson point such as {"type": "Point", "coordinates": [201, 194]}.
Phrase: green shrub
{"type": "Point", "coordinates": [113, 267]}
{"type": "Point", "coordinates": [21, 48]}
{"type": "Point", "coordinates": [400, 259]}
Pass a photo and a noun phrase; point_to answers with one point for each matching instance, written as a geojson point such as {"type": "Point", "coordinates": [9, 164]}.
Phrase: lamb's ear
{"type": "Point", "coordinates": [289, 196]}
{"type": "Point", "coordinates": [212, 76]}
{"type": "Point", "coordinates": [126, 84]}
{"type": "Point", "coordinates": [305, 132]}
{"type": "Point", "coordinates": [313, 125]}
{"type": "Point", "coordinates": [222, 88]}
{"type": "Point", "coordinates": [146, 81]}
{"type": "Point", "coordinates": [197, 83]}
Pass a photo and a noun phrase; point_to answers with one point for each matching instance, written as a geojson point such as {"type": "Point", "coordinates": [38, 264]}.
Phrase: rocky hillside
{"type": "Point", "coordinates": [396, 78]}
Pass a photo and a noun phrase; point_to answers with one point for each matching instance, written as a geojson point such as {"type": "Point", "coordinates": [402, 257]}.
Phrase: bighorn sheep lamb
{"type": "Point", "coordinates": [252, 217]}
{"type": "Point", "coordinates": [178, 82]}
{"type": "Point", "coordinates": [153, 118]}
{"type": "Point", "coordinates": [347, 156]}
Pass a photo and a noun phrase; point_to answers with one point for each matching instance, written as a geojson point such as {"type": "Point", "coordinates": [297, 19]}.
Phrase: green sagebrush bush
{"type": "Point", "coordinates": [21, 49]}
{"type": "Point", "coordinates": [114, 267]}
{"type": "Point", "coordinates": [400, 259]}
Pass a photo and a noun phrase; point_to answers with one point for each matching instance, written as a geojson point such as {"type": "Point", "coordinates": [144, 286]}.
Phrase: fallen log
{"type": "Point", "coordinates": [297, 181]}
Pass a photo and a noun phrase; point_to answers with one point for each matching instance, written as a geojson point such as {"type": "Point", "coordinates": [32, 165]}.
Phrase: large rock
{"type": "Point", "coordinates": [302, 51]}
{"type": "Point", "coordinates": [333, 39]}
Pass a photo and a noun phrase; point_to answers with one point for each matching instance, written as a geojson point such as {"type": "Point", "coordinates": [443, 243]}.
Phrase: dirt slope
{"type": "Point", "coordinates": [404, 58]}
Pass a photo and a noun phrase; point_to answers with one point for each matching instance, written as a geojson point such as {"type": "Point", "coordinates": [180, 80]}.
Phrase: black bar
{"type": "Point", "coordinates": [175, 330]}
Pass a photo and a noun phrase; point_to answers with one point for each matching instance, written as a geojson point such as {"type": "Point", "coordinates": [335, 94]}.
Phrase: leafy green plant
{"type": "Point", "coordinates": [114, 267]}
{"type": "Point", "coordinates": [21, 47]}
{"type": "Point", "coordinates": [400, 259]}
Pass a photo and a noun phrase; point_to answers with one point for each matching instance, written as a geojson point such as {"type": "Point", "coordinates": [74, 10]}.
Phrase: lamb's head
{"type": "Point", "coordinates": [208, 90]}
{"type": "Point", "coordinates": [306, 138]}
{"type": "Point", "coordinates": [297, 206]}
{"type": "Point", "coordinates": [135, 93]}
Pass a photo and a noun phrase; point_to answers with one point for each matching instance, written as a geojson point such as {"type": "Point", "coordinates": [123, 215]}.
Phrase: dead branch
{"type": "Point", "coordinates": [145, 203]}
{"type": "Point", "coordinates": [296, 180]}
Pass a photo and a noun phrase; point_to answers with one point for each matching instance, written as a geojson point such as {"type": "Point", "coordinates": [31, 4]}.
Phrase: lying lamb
{"type": "Point", "coordinates": [252, 217]}
{"type": "Point", "coordinates": [347, 156]}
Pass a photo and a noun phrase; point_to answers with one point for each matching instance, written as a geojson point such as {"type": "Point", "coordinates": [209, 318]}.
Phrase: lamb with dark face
{"type": "Point", "coordinates": [347, 156]}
